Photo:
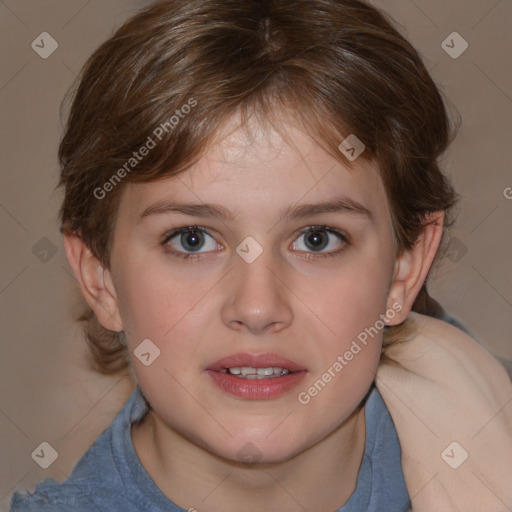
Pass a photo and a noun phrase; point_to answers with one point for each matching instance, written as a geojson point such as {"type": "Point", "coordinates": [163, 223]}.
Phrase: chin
{"type": "Point", "coordinates": [254, 452]}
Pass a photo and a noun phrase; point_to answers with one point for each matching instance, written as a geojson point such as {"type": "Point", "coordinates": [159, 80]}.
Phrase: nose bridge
{"type": "Point", "coordinates": [257, 299]}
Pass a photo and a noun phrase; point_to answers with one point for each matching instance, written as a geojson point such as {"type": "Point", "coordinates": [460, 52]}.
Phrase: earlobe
{"type": "Point", "coordinates": [94, 281]}
{"type": "Point", "coordinates": [411, 268]}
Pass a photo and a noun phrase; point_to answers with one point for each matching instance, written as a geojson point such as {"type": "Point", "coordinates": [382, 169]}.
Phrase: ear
{"type": "Point", "coordinates": [95, 282]}
{"type": "Point", "coordinates": [412, 267]}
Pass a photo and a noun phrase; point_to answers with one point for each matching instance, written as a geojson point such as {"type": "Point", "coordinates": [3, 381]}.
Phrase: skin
{"type": "Point", "coordinates": [292, 300]}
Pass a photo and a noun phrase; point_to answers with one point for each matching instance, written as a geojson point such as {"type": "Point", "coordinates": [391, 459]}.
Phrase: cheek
{"type": "Point", "coordinates": [349, 301]}
{"type": "Point", "coordinates": [349, 309]}
{"type": "Point", "coordinates": [169, 310]}
{"type": "Point", "coordinates": [143, 307]}
{"type": "Point", "coordinates": [153, 301]}
{"type": "Point", "coordinates": [346, 369]}
{"type": "Point", "coordinates": [161, 308]}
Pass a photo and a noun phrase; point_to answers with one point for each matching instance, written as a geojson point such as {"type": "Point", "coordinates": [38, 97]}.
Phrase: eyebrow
{"type": "Point", "coordinates": [337, 205]}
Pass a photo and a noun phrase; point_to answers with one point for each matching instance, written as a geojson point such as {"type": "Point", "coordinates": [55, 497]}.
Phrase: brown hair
{"type": "Point", "coordinates": [338, 66]}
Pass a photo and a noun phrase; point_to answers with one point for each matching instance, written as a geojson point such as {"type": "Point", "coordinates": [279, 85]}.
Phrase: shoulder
{"type": "Point", "coordinates": [442, 349]}
{"type": "Point", "coordinates": [96, 482]}
{"type": "Point", "coordinates": [50, 496]}
{"type": "Point", "coordinates": [90, 486]}
{"type": "Point", "coordinates": [382, 445]}
{"type": "Point", "coordinates": [449, 399]}
{"type": "Point", "coordinates": [443, 370]}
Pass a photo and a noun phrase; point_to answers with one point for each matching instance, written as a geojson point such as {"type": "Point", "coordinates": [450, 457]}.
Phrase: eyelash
{"type": "Point", "coordinates": [309, 255]}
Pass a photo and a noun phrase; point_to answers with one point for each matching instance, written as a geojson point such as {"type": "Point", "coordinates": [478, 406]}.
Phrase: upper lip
{"type": "Point", "coordinates": [255, 361]}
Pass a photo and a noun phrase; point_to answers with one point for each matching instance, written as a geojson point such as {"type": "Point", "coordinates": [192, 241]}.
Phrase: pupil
{"type": "Point", "coordinates": [192, 240]}
{"type": "Point", "coordinates": [316, 239]}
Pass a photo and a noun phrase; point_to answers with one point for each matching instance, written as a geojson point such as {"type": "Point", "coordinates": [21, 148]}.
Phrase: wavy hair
{"type": "Point", "coordinates": [339, 67]}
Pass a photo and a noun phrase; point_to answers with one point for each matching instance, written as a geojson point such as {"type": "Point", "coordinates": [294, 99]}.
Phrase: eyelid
{"type": "Point", "coordinates": [341, 235]}
{"type": "Point", "coordinates": [186, 255]}
{"type": "Point", "coordinates": [329, 229]}
{"type": "Point", "coordinates": [173, 232]}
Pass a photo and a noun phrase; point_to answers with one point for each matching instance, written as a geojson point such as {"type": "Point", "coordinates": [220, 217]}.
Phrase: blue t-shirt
{"type": "Point", "coordinates": [110, 477]}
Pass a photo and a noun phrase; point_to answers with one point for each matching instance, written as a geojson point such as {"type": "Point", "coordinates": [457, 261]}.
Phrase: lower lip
{"type": "Point", "coordinates": [256, 389]}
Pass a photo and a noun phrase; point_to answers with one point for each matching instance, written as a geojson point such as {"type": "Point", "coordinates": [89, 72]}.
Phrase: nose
{"type": "Point", "coordinates": [258, 298]}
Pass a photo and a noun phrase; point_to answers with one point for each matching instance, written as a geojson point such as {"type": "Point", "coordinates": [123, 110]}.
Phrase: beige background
{"type": "Point", "coordinates": [47, 392]}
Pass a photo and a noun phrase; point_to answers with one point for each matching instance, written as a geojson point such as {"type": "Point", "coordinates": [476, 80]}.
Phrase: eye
{"type": "Point", "coordinates": [195, 242]}
{"type": "Point", "coordinates": [189, 240]}
{"type": "Point", "coordinates": [321, 239]}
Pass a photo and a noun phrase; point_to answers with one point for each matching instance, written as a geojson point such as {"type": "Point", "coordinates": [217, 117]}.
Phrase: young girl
{"type": "Point", "coordinates": [252, 207]}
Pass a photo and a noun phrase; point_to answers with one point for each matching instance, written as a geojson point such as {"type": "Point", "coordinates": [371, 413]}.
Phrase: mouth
{"type": "Point", "coordinates": [256, 376]}
{"type": "Point", "coordinates": [248, 372]}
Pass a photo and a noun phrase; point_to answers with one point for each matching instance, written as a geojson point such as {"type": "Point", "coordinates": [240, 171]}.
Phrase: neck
{"type": "Point", "coordinates": [320, 478]}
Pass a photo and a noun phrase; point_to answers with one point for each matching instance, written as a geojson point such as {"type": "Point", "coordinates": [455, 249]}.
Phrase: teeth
{"type": "Point", "coordinates": [248, 372]}
{"type": "Point", "coordinates": [265, 371]}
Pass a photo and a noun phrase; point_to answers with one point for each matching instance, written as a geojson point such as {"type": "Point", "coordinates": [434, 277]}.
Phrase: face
{"type": "Point", "coordinates": [267, 255]}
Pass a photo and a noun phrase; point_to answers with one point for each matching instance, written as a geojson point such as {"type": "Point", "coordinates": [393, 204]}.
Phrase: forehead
{"type": "Point", "coordinates": [257, 169]}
